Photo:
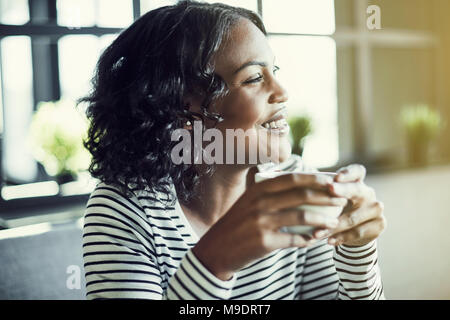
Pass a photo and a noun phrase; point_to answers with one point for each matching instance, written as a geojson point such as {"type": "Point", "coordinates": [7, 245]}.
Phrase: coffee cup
{"type": "Point", "coordinates": [330, 211]}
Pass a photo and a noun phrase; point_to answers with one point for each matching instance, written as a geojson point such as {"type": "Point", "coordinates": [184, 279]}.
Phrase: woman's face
{"type": "Point", "coordinates": [256, 98]}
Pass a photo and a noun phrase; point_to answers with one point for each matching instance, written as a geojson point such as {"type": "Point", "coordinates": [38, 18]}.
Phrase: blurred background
{"type": "Point", "coordinates": [368, 82]}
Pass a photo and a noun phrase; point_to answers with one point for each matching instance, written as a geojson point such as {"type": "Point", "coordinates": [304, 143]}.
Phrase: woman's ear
{"type": "Point", "coordinates": [187, 123]}
{"type": "Point", "coordinates": [193, 105]}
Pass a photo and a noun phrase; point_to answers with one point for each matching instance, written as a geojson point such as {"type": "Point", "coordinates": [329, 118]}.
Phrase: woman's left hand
{"type": "Point", "coordinates": [362, 220]}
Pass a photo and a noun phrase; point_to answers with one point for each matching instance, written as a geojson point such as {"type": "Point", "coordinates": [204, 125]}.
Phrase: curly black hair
{"type": "Point", "coordinates": [139, 87]}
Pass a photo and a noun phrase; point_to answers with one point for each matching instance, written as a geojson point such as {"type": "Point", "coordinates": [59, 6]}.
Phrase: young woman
{"type": "Point", "coordinates": [157, 229]}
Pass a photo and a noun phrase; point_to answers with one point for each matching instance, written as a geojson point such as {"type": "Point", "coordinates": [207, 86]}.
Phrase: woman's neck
{"type": "Point", "coordinates": [218, 193]}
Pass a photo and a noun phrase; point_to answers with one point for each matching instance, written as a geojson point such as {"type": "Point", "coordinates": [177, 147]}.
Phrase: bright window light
{"type": "Point", "coordinates": [247, 4]}
{"type": "Point", "coordinates": [18, 163]}
{"type": "Point", "coordinates": [104, 13]}
{"type": "Point", "coordinates": [30, 190]}
{"type": "Point", "coordinates": [115, 13]}
{"type": "Point", "coordinates": [78, 56]}
{"type": "Point", "coordinates": [299, 16]}
{"type": "Point", "coordinates": [25, 231]}
{"type": "Point", "coordinates": [147, 5]}
{"type": "Point", "coordinates": [308, 72]}
{"type": "Point", "coordinates": [76, 13]}
{"type": "Point", "coordinates": [14, 11]}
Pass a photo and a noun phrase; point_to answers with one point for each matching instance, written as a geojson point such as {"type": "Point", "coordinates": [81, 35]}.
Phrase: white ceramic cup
{"type": "Point", "coordinates": [331, 211]}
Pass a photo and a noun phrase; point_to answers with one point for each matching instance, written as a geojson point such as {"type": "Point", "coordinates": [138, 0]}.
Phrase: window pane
{"type": "Point", "coordinates": [18, 164]}
{"type": "Point", "coordinates": [106, 40]}
{"type": "Point", "coordinates": [78, 56]}
{"type": "Point", "coordinates": [402, 77]}
{"type": "Point", "coordinates": [14, 11]}
{"type": "Point", "coordinates": [115, 13]}
{"type": "Point", "coordinates": [247, 4]}
{"type": "Point", "coordinates": [76, 13]}
{"type": "Point", "coordinates": [308, 72]}
{"type": "Point", "coordinates": [299, 16]}
{"type": "Point", "coordinates": [147, 5]}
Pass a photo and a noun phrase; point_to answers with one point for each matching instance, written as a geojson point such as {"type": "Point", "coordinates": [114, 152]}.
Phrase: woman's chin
{"type": "Point", "coordinates": [285, 155]}
{"type": "Point", "coordinates": [276, 155]}
{"type": "Point", "coordinates": [285, 151]}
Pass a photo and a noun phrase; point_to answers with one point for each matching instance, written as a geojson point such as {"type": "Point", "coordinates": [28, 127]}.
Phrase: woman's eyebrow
{"type": "Point", "coordinates": [250, 63]}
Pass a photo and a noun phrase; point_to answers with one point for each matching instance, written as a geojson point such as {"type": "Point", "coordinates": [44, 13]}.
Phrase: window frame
{"type": "Point", "coordinates": [45, 12]}
{"type": "Point", "coordinates": [51, 30]}
{"type": "Point", "coordinates": [355, 36]}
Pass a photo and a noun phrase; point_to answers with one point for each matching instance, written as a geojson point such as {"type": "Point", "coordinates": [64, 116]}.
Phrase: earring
{"type": "Point", "coordinates": [188, 123]}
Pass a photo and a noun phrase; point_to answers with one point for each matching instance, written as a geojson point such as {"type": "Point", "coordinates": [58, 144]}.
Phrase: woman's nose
{"type": "Point", "coordinates": [279, 93]}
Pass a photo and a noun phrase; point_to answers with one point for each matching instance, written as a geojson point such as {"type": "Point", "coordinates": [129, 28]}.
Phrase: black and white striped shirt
{"type": "Point", "coordinates": [136, 248]}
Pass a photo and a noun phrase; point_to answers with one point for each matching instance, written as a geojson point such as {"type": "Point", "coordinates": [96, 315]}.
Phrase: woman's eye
{"type": "Point", "coordinates": [260, 77]}
{"type": "Point", "coordinates": [255, 79]}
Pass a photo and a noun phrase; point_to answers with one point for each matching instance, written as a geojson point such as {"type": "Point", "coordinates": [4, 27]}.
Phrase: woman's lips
{"type": "Point", "coordinates": [280, 127]}
{"type": "Point", "coordinates": [278, 115]}
{"type": "Point", "coordinates": [274, 124]}
{"type": "Point", "coordinates": [277, 124]}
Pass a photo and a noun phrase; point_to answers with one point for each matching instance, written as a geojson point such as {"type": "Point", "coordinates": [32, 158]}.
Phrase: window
{"type": "Point", "coordinates": [14, 11]}
{"type": "Point", "coordinates": [300, 34]}
{"type": "Point", "coordinates": [299, 16]}
{"type": "Point", "coordinates": [147, 5]}
{"type": "Point", "coordinates": [49, 49]}
{"type": "Point", "coordinates": [18, 92]}
{"type": "Point", "coordinates": [383, 71]}
{"type": "Point", "coordinates": [247, 4]}
{"type": "Point", "coordinates": [48, 52]}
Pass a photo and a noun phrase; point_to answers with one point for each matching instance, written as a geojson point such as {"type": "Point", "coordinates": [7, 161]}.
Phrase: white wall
{"type": "Point", "coordinates": [414, 250]}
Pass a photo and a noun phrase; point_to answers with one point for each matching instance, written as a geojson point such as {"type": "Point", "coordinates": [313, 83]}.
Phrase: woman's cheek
{"type": "Point", "coordinates": [243, 112]}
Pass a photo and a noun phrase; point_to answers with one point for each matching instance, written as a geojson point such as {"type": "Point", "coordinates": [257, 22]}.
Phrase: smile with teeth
{"type": "Point", "coordinates": [278, 124]}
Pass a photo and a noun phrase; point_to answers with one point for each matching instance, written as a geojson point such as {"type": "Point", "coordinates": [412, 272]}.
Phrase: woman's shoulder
{"type": "Point", "coordinates": [111, 196]}
{"type": "Point", "coordinates": [136, 200]}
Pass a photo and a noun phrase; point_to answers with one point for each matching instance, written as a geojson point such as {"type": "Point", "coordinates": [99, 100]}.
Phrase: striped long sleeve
{"type": "Point", "coordinates": [341, 273]}
{"type": "Point", "coordinates": [319, 277]}
{"type": "Point", "coordinates": [121, 261]}
{"type": "Point", "coordinates": [359, 273]}
{"type": "Point", "coordinates": [134, 248]}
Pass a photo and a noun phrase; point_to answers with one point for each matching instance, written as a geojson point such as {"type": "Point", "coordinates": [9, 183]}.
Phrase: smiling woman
{"type": "Point", "coordinates": [158, 229]}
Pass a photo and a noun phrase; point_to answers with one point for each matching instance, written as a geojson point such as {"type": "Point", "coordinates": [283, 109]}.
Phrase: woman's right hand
{"type": "Point", "coordinates": [251, 228]}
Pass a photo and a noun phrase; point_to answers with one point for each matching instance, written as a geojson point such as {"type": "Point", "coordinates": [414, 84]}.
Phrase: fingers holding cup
{"type": "Point", "coordinates": [356, 191]}
{"type": "Point", "coordinates": [351, 173]}
{"type": "Point", "coordinates": [360, 235]}
{"type": "Point", "coordinates": [359, 226]}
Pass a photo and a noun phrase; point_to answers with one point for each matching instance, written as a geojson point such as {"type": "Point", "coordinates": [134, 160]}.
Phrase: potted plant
{"type": "Point", "coordinates": [422, 126]}
{"type": "Point", "coordinates": [300, 128]}
{"type": "Point", "coordinates": [56, 139]}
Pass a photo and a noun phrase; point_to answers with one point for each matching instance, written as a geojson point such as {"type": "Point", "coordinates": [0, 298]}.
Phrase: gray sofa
{"type": "Point", "coordinates": [46, 265]}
